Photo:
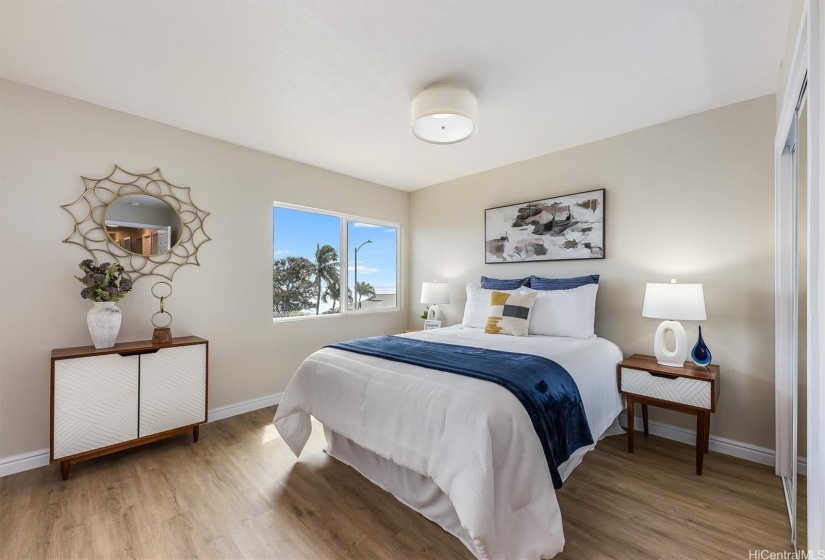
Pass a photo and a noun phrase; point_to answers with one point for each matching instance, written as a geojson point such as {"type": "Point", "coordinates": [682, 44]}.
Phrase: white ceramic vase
{"type": "Point", "coordinates": [104, 323]}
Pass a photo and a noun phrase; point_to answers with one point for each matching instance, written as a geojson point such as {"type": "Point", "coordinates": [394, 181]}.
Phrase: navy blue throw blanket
{"type": "Point", "coordinates": [542, 386]}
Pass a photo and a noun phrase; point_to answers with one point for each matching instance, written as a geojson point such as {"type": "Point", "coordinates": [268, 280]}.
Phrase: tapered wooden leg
{"type": "Point", "coordinates": [196, 432]}
{"type": "Point", "coordinates": [707, 432]}
{"type": "Point", "coordinates": [630, 424]}
{"type": "Point", "coordinates": [64, 469]}
{"type": "Point", "coordinates": [700, 444]}
{"type": "Point", "coordinates": [644, 419]}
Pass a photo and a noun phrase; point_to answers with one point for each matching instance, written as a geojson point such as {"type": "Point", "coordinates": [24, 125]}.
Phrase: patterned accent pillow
{"type": "Point", "coordinates": [510, 313]}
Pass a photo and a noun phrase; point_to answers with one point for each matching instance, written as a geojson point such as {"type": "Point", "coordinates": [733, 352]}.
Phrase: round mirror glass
{"type": "Point", "coordinates": [142, 224]}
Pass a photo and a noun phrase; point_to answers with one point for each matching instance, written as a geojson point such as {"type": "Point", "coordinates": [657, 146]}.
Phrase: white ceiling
{"type": "Point", "coordinates": [329, 82]}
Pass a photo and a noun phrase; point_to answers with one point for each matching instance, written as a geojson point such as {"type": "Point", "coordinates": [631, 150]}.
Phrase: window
{"type": "Point", "coordinates": [308, 261]}
{"type": "Point", "coordinates": [373, 268]}
{"type": "Point", "coordinates": [306, 265]}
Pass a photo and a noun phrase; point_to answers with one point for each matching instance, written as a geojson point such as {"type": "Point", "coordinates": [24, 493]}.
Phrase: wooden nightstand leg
{"type": "Point", "coordinates": [707, 432]}
{"type": "Point", "coordinates": [700, 444]}
{"type": "Point", "coordinates": [64, 469]}
{"type": "Point", "coordinates": [644, 419]}
{"type": "Point", "coordinates": [196, 432]}
{"type": "Point", "coordinates": [630, 422]}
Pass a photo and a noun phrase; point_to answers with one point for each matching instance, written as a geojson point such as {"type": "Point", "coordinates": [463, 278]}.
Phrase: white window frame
{"type": "Point", "coordinates": [343, 255]}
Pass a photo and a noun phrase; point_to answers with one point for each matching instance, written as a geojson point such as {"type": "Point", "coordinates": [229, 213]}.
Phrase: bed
{"type": "Point", "coordinates": [460, 451]}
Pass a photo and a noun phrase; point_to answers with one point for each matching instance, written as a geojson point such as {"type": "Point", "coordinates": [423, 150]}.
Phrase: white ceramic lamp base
{"type": "Point", "coordinates": [665, 357]}
{"type": "Point", "coordinates": [434, 314]}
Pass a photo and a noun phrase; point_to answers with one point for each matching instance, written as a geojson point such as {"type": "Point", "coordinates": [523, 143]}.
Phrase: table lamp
{"type": "Point", "coordinates": [433, 293]}
{"type": "Point", "coordinates": [673, 302]}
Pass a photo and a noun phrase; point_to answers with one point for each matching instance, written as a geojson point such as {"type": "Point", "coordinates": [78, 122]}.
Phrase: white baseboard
{"type": "Point", "coordinates": [40, 458]}
{"type": "Point", "coordinates": [746, 451]}
{"type": "Point", "coordinates": [24, 462]}
{"type": "Point", "coordinates": [227, 411]}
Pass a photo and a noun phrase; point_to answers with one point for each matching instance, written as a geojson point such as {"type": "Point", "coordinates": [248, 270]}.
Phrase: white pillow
{"type": "Point", "coordinates": [565, 312]}
{"type": "Point", "coordinates": [477, 308]}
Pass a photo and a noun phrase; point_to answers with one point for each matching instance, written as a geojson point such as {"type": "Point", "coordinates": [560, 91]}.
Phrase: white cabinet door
{"type": "Point", "coordinates": [172, 388]}
{"type": "Point", "coordinates": [95, 403]}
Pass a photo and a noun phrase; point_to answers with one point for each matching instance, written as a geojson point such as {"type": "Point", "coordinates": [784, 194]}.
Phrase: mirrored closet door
{"type": "Point", "coordinates": [792, 317]}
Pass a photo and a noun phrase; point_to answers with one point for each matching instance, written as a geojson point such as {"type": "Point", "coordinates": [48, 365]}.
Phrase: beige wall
{"type": "Point", "coordinates": [690, 199]}
{"type": "Point", "coordinates": [47, 143]}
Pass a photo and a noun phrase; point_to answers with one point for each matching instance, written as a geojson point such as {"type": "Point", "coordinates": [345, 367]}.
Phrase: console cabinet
{"type": "Point", "coordinates": [104, 401]}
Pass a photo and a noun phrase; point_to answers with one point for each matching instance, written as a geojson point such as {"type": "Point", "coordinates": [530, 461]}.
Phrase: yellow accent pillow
{"type": "Point", "coordinates": [510, 313]}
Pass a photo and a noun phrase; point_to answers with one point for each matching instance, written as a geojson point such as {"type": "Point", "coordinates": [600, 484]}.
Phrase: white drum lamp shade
{"type": "Point", "coordinates": [673, 302]}
{"type": "Point", "coordinates": [433, 293]}
{"type": "Point", "coordinates": [444, 115]}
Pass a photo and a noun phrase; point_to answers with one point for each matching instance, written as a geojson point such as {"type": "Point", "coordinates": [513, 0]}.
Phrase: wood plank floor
{"type": "Point", "coordinates": [240, 493]}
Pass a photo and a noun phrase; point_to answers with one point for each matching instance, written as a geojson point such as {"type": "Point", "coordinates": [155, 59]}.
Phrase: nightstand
{"type": "Point", "coordinates": [413, 330]}
{"type": "Point", "coordinates": [690, 389]}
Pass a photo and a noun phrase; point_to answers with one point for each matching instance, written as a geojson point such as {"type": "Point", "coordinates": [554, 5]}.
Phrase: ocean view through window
{"type": "Point", "coordinates": [312, 248]}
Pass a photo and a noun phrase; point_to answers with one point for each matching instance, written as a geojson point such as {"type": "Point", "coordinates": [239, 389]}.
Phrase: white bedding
{"type": "Point", "coordinates": [471, 437]}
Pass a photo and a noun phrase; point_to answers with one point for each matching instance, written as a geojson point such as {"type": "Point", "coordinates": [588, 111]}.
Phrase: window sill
{"type": "Point", "coordinates": [276, 320]}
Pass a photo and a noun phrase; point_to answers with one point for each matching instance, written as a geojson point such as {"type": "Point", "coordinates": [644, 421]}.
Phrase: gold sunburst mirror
{"type": "Point", "coordinates": [150, 226]}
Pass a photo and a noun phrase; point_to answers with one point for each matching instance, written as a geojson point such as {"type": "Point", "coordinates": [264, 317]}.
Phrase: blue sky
{"type": "Point", "coordinates": [376, 260]}
{"type": "Point", "coordinates": [297, 232]}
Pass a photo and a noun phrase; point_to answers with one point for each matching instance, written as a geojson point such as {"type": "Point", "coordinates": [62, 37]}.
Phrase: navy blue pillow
{"type": "Point", "coordinates": [499, 284]}
{"type": "Point", "coordinates": [550, 284]}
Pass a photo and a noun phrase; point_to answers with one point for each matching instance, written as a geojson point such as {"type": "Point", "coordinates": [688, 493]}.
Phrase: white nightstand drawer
{"type": "Point", "coordinates": [691, 392]}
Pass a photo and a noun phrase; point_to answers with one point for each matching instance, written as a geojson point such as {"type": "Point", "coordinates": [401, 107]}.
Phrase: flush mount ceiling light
{"type": "Point", "coordinates": [444, 115]}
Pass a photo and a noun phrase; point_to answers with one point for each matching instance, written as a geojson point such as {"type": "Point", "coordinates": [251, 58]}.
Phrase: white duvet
{"type": "Point", "coordinates": [471, 437]}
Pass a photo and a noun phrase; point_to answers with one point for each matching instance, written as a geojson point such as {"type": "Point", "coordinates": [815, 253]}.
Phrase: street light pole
{"type": "Point", "coordinates": [356, 303]}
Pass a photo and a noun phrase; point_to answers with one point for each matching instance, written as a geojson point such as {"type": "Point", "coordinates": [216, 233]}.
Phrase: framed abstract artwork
{"type": "Point", "coordinates": [561, 228]}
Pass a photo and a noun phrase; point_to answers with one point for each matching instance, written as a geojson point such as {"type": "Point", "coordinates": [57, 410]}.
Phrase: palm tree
{"type": "Point", "coordinates": [333, 293]}
{"type": "Point", "coordinates": [326, 269]}
{"type": "Point", "coordinates": [364, 289]}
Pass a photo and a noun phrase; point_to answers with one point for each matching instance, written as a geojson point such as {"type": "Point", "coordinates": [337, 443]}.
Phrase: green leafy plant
{"type": "Point", "coordinates": [104, 282]}
{"type": "Point", "coordinates": [424, 315]}
{"type": "Point", "coordinates": [293, 286]}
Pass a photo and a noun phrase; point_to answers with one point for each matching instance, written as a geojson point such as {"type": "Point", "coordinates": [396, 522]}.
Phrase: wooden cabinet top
{"type": "Point", "coordinates": [138, 347]}
{"type": "Point", "coordinates": [649, 363]}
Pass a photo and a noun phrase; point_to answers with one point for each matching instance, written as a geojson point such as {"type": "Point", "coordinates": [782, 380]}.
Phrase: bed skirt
{"type": "Point", "coordinates": [420, 492]}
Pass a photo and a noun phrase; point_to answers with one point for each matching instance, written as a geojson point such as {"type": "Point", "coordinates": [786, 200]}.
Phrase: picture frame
{"type": "Point", "coordinates": [430, 324]}
{"type": "Point", "coordinates": [559, 228]}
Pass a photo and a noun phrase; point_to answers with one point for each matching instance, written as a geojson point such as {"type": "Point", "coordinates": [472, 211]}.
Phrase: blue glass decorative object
{"type": "Point", "coordinates": [700, 353]}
